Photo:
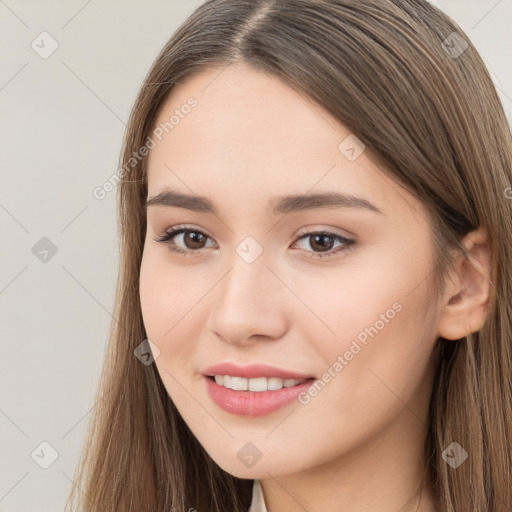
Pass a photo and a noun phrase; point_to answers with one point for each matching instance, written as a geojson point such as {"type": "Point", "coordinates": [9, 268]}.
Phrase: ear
{"type": "Point", "coordinates": [467, 294]}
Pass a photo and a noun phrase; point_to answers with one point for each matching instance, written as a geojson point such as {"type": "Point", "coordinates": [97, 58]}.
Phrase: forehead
{"type": "Point", "coordinates": [249, 135]}
{"type": "Point", "coordinates": [243, 112]}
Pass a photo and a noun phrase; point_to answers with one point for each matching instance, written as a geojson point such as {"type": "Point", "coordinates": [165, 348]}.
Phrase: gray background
{"type": "Point", "coordinates": [61, 126]}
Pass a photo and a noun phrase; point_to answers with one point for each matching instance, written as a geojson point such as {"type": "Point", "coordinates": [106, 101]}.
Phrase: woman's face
{"type": "Point", "coordinates": [260, 285]}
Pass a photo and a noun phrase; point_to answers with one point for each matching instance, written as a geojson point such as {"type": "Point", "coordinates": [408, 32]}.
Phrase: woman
{"type": "Point", "coordinates": [314, 299]}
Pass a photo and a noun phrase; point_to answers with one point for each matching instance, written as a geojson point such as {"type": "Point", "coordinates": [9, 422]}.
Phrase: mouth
{"type": "Point", "coordinates": [256, 384]}
{"type": "Point", "coordinates": [257, 396]}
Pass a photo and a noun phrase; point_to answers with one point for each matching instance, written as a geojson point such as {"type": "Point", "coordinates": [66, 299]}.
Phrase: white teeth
{"type": "Point", "coordinates": [259, 384]}
{"type": "Point", "coordinates": [255, 384]}
{"type": "Point", "coordinates": [274, 383]}
{"type": "Point", "coordinates": [239, 384]}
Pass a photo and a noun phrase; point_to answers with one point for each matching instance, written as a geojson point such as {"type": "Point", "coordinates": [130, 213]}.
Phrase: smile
{"type": "Point", "coordinates": [257, 384]}
{"type": "Point", "coordinates": [256, 398]}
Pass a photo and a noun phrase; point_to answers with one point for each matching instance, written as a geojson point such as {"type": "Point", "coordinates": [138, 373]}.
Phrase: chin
{"type": "Point", "coordinates": [258, 470]}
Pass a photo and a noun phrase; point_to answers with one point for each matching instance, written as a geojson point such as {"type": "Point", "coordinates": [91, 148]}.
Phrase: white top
{"type": "Point", "coordinates": [258, 501]}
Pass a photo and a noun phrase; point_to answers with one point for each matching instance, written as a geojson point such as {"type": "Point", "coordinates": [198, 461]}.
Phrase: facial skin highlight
{"type": "Point", "coordinates": [250, 141]}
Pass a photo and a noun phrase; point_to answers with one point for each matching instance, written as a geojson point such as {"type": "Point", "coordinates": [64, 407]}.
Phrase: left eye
{"type": "Point", "coordinates": [325, 242]}
{"type": "Point", "coordinates": [194, 239]}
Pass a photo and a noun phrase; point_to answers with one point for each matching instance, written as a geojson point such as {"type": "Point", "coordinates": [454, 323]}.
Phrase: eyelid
{"type": "Point", "coordinates": [331, 230]}
{"type": "Point", "coordinates": [303, 233]}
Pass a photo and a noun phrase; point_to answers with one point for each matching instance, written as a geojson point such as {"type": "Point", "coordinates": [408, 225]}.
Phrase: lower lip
{"type": "Point", "coordinates": [253, 403]}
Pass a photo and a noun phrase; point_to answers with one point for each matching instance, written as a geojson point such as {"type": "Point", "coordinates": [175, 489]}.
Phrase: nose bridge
{"type": "Point", "coordinates": [247, 283]}
{"type": "Point", "coordinates": [247, 302]}
{"type": "Point", "coordinates": [249, 273]}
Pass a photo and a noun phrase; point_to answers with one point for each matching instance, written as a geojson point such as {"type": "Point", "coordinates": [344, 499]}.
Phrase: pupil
{"type": "Point", "coordinates": [322, 237]}
{"type": "Point", "coordinates": [195, 238]}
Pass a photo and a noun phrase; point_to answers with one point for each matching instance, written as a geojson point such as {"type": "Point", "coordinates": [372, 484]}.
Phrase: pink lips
{"type": "Point", "coordinates": [253, 403]}
{"type": "Point", "coordinates": [252, 371]}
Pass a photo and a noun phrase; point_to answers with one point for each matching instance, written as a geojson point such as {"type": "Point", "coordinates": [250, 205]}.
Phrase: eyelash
{"type": "Point", "coordinates": [166, 239]}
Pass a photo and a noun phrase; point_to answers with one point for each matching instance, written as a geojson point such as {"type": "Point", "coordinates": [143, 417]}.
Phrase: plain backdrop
{"type": "Point", "coordinates": [62, 121]}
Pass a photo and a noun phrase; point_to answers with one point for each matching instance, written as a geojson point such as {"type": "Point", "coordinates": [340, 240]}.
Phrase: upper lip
{"type": "Point", "coordinates": [252, 371]}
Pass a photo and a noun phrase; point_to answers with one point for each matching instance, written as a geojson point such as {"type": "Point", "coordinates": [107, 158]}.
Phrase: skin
{"type": "Point", "coordinates": [359, 441]}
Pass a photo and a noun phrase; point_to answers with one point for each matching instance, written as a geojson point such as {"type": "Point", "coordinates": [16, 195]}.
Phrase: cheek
{"type": "Point", "coordinates": [366, 290]}
{"type": "Point", "coordinates": [166, 293]}
{"type": "Point", "coordinates": [381, 326]}
{"type": "Point", "coordinates": [161, 307]}
{"type": "Point", "coordinates": [151, 297]}
{"type": "Point", "coordinates": [172, 311]}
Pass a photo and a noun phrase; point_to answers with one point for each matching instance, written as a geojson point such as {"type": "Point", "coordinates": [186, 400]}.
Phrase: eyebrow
{"type": "Point", "coordinates": [279, 206]}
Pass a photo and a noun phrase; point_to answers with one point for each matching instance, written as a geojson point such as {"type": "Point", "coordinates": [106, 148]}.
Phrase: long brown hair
{"type": "Point", "coordinates": [404, 78]}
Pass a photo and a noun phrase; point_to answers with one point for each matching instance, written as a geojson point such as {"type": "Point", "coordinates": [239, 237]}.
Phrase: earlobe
{"type": "Point", "coordinates": [468, 290]}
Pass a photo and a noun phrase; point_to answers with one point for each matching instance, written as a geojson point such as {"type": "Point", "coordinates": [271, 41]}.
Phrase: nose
{"type": "Point", "coordinates": [250, 304]}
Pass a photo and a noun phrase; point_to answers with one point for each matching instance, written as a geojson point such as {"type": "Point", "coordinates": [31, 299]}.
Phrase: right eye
{"type": "Point", "coordinates": [192, 237]}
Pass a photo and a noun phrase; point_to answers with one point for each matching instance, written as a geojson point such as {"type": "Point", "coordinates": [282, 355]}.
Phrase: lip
{"type": "Point", "coordinates": [252, 371]}
{"type": "Point", "coordinates": [253, 403]}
